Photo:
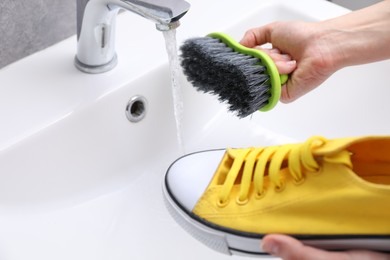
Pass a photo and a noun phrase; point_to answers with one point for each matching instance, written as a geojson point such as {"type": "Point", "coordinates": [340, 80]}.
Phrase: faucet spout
{"type": "Point", "coordinates": [96, 21]}
{"type": "Point", "coordinates": [159, 11]}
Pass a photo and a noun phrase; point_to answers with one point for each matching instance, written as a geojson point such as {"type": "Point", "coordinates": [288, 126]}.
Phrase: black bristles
{"type": "Point", "coordinates": [236, 78]}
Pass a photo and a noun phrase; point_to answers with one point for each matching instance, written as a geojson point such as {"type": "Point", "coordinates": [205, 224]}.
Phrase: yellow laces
{"type": "Point", "coordinates": [255, 163]}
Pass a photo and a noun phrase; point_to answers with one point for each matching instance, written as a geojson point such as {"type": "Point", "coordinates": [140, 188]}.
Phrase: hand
{"type": "Point", "coordinates": [297, 49]}
{"type": "Point", "coordinates": [289, 248]}
{"type": "Point", "coordinates": [312, 52]}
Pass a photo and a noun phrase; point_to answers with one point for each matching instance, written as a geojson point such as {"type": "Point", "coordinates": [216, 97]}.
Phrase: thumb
{"type": "Point", "coordinates": [256, 36]}
{"type": "Point", "coordinates": [297, 86]}
{"type": "Point", "coordinates": [289, 248]}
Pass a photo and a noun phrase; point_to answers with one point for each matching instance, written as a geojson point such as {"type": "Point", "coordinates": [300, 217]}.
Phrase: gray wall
{"type": "Point", "coordinates": [355, 4]}
{"type": "Point", "coordinates": [27, 26]}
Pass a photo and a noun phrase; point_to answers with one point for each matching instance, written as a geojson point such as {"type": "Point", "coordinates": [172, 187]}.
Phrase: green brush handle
{"type": "Point", "coordinates": [277, 80]}
{"type": "Point", "coordinates": [283, 78]}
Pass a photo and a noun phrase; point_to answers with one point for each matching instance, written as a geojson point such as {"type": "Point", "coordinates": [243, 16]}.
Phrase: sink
{"type": "Point", "coordinates": [78, 180]}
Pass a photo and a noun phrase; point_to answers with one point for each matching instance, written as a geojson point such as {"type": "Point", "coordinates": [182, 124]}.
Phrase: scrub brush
{"type": "Point", "coordinates": [247, 79]}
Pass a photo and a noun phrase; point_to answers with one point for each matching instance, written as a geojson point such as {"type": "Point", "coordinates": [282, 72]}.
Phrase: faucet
{"type": "Point", "coordinates": [96, 21]}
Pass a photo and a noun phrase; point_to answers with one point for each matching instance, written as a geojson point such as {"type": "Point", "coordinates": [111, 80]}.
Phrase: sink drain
{"type": "Point", "coordinates": [136, 109]}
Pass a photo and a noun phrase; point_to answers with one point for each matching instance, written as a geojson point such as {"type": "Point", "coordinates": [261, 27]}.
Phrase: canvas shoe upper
{"type": "Point", "coordinates": [334, 194]}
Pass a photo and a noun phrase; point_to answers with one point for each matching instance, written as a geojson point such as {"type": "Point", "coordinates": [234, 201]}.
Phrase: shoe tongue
{"type": "Point", "coordinates": [334, 146]}
{"type": "Point", "coordinates": [336, 151]}
{"type": "Point", "coordinates": [342, 157]}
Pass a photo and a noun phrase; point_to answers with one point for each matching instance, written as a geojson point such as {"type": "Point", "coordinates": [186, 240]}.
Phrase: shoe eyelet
{"type": "Point", "coordinates": [222, 203]}
{"type": "Point", "coordinates": [317, 172]}
{"type": "Point", "coordinates": [300, 181]}
{"type": "Point", "coordinates": [259, 195]}
{"type": "Point", "coordinates": [241, 202]}
{"type": "Point", "coordinates": [281, 187]}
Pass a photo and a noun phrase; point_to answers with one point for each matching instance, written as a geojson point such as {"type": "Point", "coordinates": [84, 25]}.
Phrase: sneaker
{"type": "Point", "coordinates": [330, 194]}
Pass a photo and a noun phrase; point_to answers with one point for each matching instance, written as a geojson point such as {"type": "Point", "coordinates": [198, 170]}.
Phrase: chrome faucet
{"type": "Point", "coordinates": [96, 27]}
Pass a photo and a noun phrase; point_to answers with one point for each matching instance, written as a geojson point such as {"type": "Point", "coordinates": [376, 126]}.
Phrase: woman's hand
{"type": "Point", "coordinates": [289, 248]}
{"type": "Point", "coordinates": [298, 50]}
{"type": "Point", "coordinates": [312, 52]}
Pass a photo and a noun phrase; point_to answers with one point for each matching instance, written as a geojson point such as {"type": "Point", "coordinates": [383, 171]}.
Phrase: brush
{"type": "Point", "coordinates": [245, 78]}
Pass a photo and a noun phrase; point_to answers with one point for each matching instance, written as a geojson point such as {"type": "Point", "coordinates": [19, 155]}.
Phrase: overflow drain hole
{"type": "Point", "coordinates": [136, 109]}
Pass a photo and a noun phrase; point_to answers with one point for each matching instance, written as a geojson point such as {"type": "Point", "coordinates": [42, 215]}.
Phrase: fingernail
{"type": "Point", "coordinates": [291, 63]}
{"type": "Point", "coordinates": [285, 57]}
{"type": "Point", "coordinates": [270, 247]}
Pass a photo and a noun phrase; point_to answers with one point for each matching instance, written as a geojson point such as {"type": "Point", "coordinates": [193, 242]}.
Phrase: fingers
{"type": "Point", "coordinates": [366, 255]}
{"type": "Point", "coordinates": [289, 248]}
{"type": "Point", "coordinates": [301, 80]}
{"type": "Point", "coordinates": [286, 67]}
{"type": "Point", "coordinates": [283, 62]}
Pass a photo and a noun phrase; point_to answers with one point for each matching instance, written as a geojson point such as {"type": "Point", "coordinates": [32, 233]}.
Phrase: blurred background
{"type": "Point", "coordinates": [29, 26]}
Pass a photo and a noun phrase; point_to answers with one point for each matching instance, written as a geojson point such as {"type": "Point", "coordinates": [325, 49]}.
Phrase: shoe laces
{"type": "Point", "coordinates": [256, 163]}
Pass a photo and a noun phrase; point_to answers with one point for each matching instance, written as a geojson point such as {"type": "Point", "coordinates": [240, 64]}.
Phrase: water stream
{"type": "Point", "coordinates": [170, 42]}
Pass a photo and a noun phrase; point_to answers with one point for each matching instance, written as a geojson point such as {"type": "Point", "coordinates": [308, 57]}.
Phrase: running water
{"type": "Point", "coordinates": [170, 42]}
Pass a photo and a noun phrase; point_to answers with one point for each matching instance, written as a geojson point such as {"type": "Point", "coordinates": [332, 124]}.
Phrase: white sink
{"type": "Point", "coordinates": [79, 181]}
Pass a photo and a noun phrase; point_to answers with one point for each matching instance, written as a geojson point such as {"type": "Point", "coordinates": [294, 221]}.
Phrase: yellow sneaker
{"type": "Point", "coordinates": [331, 194]}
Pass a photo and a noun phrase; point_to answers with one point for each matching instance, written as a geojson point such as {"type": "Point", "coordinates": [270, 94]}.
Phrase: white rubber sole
{"type": "Point", "coordinates": [217, 240]}
{"type": "Point", "coordinates": [232, 244]}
